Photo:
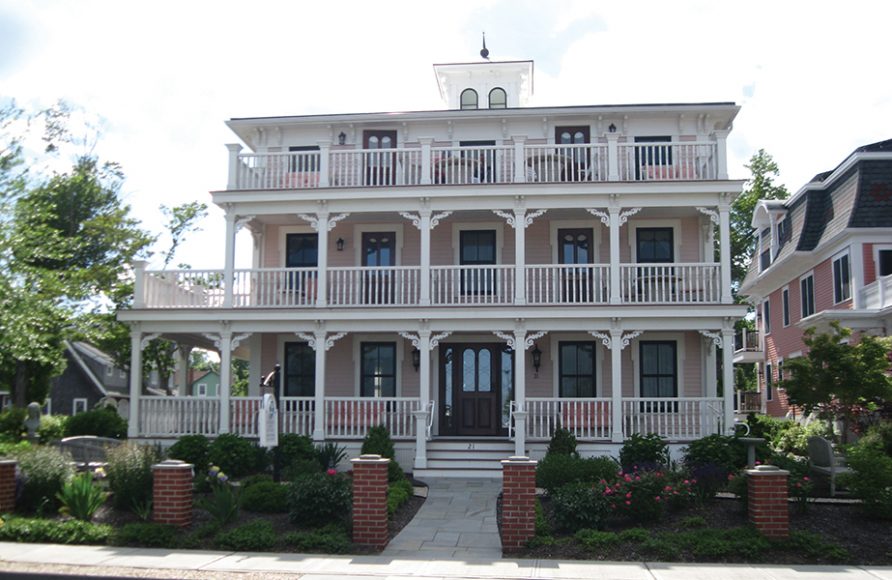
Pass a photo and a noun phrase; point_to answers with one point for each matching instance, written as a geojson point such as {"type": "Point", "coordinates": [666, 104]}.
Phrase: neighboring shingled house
{"type": "Point", "coordinates": [205, 384]}
{"type": "Point", "coordinates": [91, 377]}
{"type": "Point", "coordinates": [823, 255]}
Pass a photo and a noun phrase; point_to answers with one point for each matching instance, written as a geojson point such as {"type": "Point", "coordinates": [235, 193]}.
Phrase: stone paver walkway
{"type": "Point", "coordinates": [458, 520]}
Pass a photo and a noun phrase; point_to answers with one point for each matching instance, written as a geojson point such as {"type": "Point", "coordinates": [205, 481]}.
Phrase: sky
{"type": "Point", "coordinates": [813, 78]}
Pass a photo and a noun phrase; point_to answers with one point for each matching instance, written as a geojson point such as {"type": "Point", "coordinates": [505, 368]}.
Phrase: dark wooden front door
{"type": "Point", "coordinates": [475, 376]}
{"type": "Point", "coordinates": [380, 166]}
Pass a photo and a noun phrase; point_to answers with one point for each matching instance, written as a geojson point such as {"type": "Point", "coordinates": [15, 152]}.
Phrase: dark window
{"type": "Point", "coordinates": [477, 247]}
{"type": "Point", "coordinates": [842, 289]}
{"type": "Point", "coordinates": [655, 245]}
{"type": "Point", "coordinates": [303, 163]}
{"type": "Point", "coordinates": [785, 298]}
{"type": "Point", "coordinates": [766, 316]}
{"type": "Point", "coordinates": [577, 369]}
{"type": "Point", "coordinates": [301, 251]}
{"type": "Point", "coordinates": [658, 152]}
{"type": "Point", "coordinates": [659, 376]}
{"type": "Point", "coordinates": [884, 259]}
{"type": "Point", "coordinates": [769, 387]}
{"type": "Point", "coordinates": [300, 370]}
{"type": "Point", "coordinates": [807, 294]}
{"type": "Point", "coordinates": [498, 99]}
{"type": "Point", "coordinates": [764, 260]}
{"type": "Point", "coordinates": [378, 369]}
{"type": "Point", "coordinates": [469, 99]}
{"type": "Point", "coordinates": [575, 246]}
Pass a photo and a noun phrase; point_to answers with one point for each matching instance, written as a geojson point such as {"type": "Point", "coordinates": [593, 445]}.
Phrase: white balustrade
{"type": "Point", "coordinates": [243, 416]}
{"type": "Point", "coordinates": [272, 287]}
{"type": "Point", "coordinates": [471, 285]}
{"type": "Point", "coordinates": [586, 418]}
{"type": "Point", "coordinates": [298, 415]}
{"type": "Point", "coordinates": [178, 416]}
{"type": "Point", "coordinates": [673, 283]}
{"type": "Point", "coordinates": [580, 163]}
{"type": "Point", "coordinates": [184, 288]}
{"type": "Point", "coordinates": [375, 167]}
{"type": "Point", "coordinates": [672, 418]}
{"type": "Point", "coordinates": [669, 161]}
{"type": "Point", "coordinates": [374, 286]}
{"type": "Point", "coordinates": [352, 417]}
{"type": "Point", "coordinates": [292, 170]}
{"type": "Point", "coordinates": [472, 164]}
{"type": "Point", "coordinates": [567, 283]}
{"type": "Point", "coordinates": [877, 294]}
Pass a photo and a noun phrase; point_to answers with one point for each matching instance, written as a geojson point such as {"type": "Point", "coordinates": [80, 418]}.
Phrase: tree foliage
{"type": "Point", "coordinates": [839, 379]}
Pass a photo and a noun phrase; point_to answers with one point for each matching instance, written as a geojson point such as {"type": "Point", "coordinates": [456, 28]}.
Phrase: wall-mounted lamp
{"type": "Point", "coordinates": [611, 128]}
{"type": "Point", "coordinates": [416, 358]}
{"type": "Point", "coordinates": [340, 244]}
{"type": "Point", "coordinates": [537, 358]}
{"type": "Point", "coordinates": [342, 138]}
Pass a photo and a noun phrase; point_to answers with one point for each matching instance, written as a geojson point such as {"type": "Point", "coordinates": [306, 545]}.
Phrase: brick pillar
{"type": "Point", "coordinates": [767, 498]}
{"type": "Point", "coordinates": [370, 501]}
{"type": "Point", "coordinates": [172, 493]}
{"type": "Point", "coordinates": [7, 485]}
{"type": "Point", "coordinates": [518, 503]}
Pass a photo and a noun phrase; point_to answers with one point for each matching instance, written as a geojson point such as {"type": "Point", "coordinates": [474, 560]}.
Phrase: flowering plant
{"type": "Point", "coordinates": [801, 489]}
{"type": "Point", "coordinates": [223, 504]}
{"type": "Point", "coordinates": [644, 495]}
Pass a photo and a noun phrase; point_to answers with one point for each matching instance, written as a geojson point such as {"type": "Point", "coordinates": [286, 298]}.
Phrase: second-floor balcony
{"type": "Point", "coordinates": [446, 286]}
{"type": "Point", "coordinates": [747, 346]}
{"type": "Point", "coordinates": [877, 294]}
{"type": "Point", "coordinates": [422, 163]}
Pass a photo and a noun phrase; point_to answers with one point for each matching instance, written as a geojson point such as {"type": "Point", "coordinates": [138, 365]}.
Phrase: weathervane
{"type": "Point", "coordinates": [484, 52]}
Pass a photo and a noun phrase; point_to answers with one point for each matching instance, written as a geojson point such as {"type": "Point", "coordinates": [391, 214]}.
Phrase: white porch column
{"type": "Point", "coordinates": [234, 149]}
{"type": "Point", "coordinates": [319, 393]}
{"type": "Point", "coordinates": [725, 248]}
{"type": "Point", "coordinates": [426, 159]}
{"type": "Point", "coordinates": [612, 157]}
{"type": "Point", "coordinates": [520, 393]}
{"type": "Point", "coordinates": [520, 162]}
{"type": "Point", "coordinates": [182, 369]}
{"type": "Point", "coordinates": [322, 259]}
{"type": "Point", "coordinates": [139, 283]}
{"type": "Point", "coordinates": [135, 381]}
{"type": "Point", "coordinates": [229, 259]}
{"type": "Point", "coordinates": [721, 153]}
{"type": "Point", "coordinates": [424, 224]}
{"type": "Point", "coordinates": [728, 378]}
{"type": "Point", "coordinates": [255, 372]}
{"type": "Point", "coordinates": [324, 163]}
{"type": "Point", "coordinates": [615, 297]}
{"type": "Point", "coordinates": [616, 385]}
{"type": "Point", "coordinates": [424, 397]}
{"type": "Point", "coordinates": [710, 371]}
{"type": "Point", "coordinates": [520, 255]}
{"type": "Point", "coordinates": [225, 346]}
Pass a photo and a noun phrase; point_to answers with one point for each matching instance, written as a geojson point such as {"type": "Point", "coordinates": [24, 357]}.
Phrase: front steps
{"type": "Point", "coordinates": [468, 457]}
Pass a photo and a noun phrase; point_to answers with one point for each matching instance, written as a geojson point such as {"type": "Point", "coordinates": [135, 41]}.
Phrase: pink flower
{"type": "Point", "coordinates": [629, 496]}
{"type": "Point", "coordinates": [332, 471]}
{"type": "Point", "coordinates": [806, 478]}
{"type": "Point", "coordinates": [686, 482]}
{"type": "Point", "coordinates": [628, 477]}
{"type": "Point", "coordinates": [667, 488]}
{"type": "Point", "coordinates": [656, 498]}
{"type": "Point", "coordinates": [628, 502]}
{"type": "Point", "coordinates": [758, 462]}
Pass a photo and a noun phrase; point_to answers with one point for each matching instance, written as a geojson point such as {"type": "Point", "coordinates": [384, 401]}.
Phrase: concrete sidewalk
{"type": "Point", "coordinates": [152, 563]}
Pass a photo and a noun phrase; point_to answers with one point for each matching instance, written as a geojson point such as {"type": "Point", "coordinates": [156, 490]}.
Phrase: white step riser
{"type": "Point", "coordinates": [465, 455]}
{"type": "Point", "coordinates": [448, 464]}
{"type": "Point", "coordinates": [476, 446]}
{"type": "Point", "coordinates": [468, 474]}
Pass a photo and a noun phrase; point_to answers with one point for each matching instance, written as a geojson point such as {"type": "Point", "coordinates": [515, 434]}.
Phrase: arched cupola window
{"type": "Point", "coordinates": [468, 99]}
{"type": "Point", "coordinates": [498, 99]}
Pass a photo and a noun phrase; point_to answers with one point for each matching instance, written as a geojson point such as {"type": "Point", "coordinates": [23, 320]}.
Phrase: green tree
{"type": "Point", "coordinates": [838, 379]}
{"type": "Point", "coordinates": [761, 185]}
{"type": "Point", "coordinates": [182, 219]}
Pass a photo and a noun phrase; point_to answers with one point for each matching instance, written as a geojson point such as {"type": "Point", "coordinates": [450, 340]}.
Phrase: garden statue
{"type": "Point", "coordinates": [33, 420]}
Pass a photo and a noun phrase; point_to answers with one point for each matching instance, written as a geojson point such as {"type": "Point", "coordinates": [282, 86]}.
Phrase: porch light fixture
{"type": "Point", "coordinates": [537, 358]}
{"type": "Point", "coordinates": [342, 138]}
{"type": "Point", "coordinates": [611, 128]}
{"type": "Point", "coordinates": [416, 358]}
{"type": "Point", "coordinates": [340, 244]}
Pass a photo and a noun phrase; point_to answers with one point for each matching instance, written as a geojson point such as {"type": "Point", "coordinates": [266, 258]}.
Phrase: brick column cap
{"type": "Point", "coordinates": [518, 460]}
{"type": "Point", "coordinates": [172, 464]}
{"type": "Point", "coordinates": [8, 462]}
{"type": "Point", "coordinates": [370, 459]}
{"type": "Point", "coordinates": [763, 470]}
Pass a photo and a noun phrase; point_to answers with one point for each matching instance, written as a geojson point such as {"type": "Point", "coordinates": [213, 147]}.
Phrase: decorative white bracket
{"type": "Point", "coordinates": [147, 339]}
{"type": "Point", "coordinates": [412, 337]}
{"type": "Point", "coordinates": [605, 217]}
{"type": "Point", "coordinates": [713, 215]}
{"type": "Point", "coordinates": [527, 219]}
{"type": "Point", "coordinates": [508, 338]}
{"type": "Point", "coordinates": [328, 341]}
{"type": "Point", "coordinates": [238, 338]}
{"type": "Point", "coordinates": [241, 222]}
{"type": "Point", "coordinates": [629, 336]}
{"type": "Point", "coordinates": [605, 338]}
{"type": "Point", "coordinates": [416, 218]}
{"type": "Point", "coordinates": [716, 337]}
{"type": "Point", "coordinates": [625, 215]}
{"type": "Point", "coordinates": [435, 339]}
{"type": "Point", "coordinates": [329, 222]}
{"type": "Point", "coordinates": [213, 337]}
{"type": "Point", "coordinates": [527, 342]}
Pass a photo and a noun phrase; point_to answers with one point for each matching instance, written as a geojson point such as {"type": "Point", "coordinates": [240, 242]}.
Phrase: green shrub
{"type": "Point", "coordinates": [711, 459]}
{"type": "Point", "coordinates": [562, 443]}
{"type": "Point", "coordinates": [52, 427]}
{"type": "Point", "coordinates": [793, 438]}
{"type": "Point", "coordinates": [319, 498]}
{"type": "Point", "coordinates": [330, 539]}
{"type": "Point", "coordinates": [693, 522]}
{"type": "Point", "coordinates": [44, 471]}
{"type": "Point", "coordinates": [597, 540]}
{"type": "Point", "coordinates": [644, 452]}
{"type": "Point", "coordinates": [330, 454]}
{"type": "Point", "coordinates": [643, 496]}
{"type": "Point", "coordinates": [255, 536]}
{"type": "Point", "coordinates": [378, 442]}
{"type": "Point", "coordinates": [300, 467]}
{"type": "Point", "coordinates": [814, 546]}
{"type": "Point", "coordinates": [146, 535]}
{"type": "Point", "coordinates": [555, 471]}
{"type": "Point", "coordinates": [80, 497]}
{"type": "Point", "coordinates": [636, 535]}
{"type": "Point", "coordinates": [101, 422]}
{"type": "Point", "coordinates": [871, 477]}
{"type": "Point", "coordinates": [879, 435]}
{"type": "Point", "coordinates": [293, 449]}
{"type": "Point", "coordinates": [254, 480]}
{"type": "Point", "coordinates": [398, 493]}
{"type": "Point", "coordinates": [224, 501]}
{"type": "Point", "coordinates": [194, 449]}
{"type": "Point", "coordinates": [766, 426]}
{"type": "Point", "coordinates": [542, 527]}
{"type": "Point", "coordinates": [13, 448]}
{"type": "Point", "coordinates": [235, 455]}
{"type": "Point", "coordinates": [129, 473]}
{"type": "Point", "coordinates": [581, 505]}
{"type": "Point", "coordinates": [38, 530]}
{"type": "Point", "coordinates": [12, 423]}
{"type": "Point", "coordinates": [265, 497]}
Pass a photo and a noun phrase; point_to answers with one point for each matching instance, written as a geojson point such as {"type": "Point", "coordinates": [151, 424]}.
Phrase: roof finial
{"type": "Point", "coordinates": [484, 52]}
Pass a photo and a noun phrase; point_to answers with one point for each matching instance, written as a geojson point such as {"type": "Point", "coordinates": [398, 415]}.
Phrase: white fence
{"type": "Point", "coordinates": [352, 417]}
{"type": "Point", "coordinates": [586, 419]}
{"type": "Point", "coordinates": [672, 418]}
{"type": "Point", "coordinates": [177, 416]}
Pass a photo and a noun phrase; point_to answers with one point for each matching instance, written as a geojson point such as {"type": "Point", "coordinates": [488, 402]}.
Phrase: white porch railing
{"type": "Point", "coordinates": [877, 294]}
{"type": "Point", "coordinates": [272, 287]}
{"type": "Point", "coordinates": [471, 285]}
{"type": "Point", "coordinates": [243, 412]}
{"type": "Point", "coordinates": [673, 283]}
{"type": "Point", "coordinates": [352, 417]}
{"type": "Point", "coordinates": [586, 419]}
{"type": "Point", "coordinates": [672, 418]}
{"type": "Point", "coordinates": [672, 161]}
{"type": "Point", "coordinates": [567, 283]}
{"type": "Point", "coordinates": [491, 164]}
{"type": "Point", "coordinates": [184, 289]}
{"type": "Point", "coordinates": [178, 416]}
{"type": "Point", "coordinates": [374, 286]}
{"type": "Point", "coordinates": [298, 415]}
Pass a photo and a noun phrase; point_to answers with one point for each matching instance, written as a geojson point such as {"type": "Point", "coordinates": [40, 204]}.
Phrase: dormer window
{"type": "Point", "coordinates": [468, 99]}
{"type": "Point", "coordinates": [498, 99]}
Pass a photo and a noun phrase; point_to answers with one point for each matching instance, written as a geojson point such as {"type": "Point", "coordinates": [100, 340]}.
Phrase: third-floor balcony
{"type": "Point", "coordinates": [423, 163]}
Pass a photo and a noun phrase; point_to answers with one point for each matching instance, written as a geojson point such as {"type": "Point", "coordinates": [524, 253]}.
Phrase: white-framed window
{"type": "Point", "coordinates": [780, 371]}
{"type": "Point", "coordinates": [78, 406]}
{"type": "Point", "coordinates": [201, 390]}
{"type": "Point", "coordinates": [122, 374]}
{"type": "Point", "coordinates": [769, 386]}
{"type": "Point", "coordinates": [807, 294]}
{"type": "Point", "coordinates": [785, 302]}
{"type": "Point", "coordinates": [109, 370]}
{"type": "Point", "coordinates": [842, 278]}
{"type": "Point", "coordinates": [766, 316]}
{"type": "Point", "coordinates": [882, 256]}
